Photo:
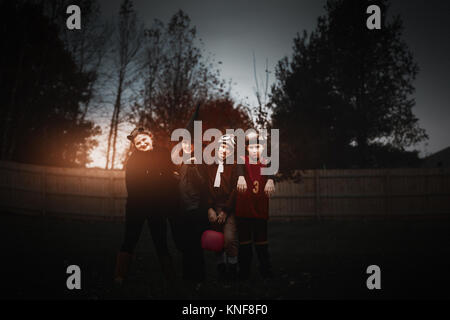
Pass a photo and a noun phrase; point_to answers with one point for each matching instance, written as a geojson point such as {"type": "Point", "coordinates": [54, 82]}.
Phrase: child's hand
{"type": "Point", "coordinates": [269, 189]}
{"type": "Point", "coordinates": [212, 216]}
{"type": "Point", "coordinates": [221, 217]}
{"type": "Point", "coordinates": [241, 184]}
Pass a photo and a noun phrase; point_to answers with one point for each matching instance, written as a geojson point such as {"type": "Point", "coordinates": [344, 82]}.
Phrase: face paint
{"type": "Point", "coordinates": [143, 142]}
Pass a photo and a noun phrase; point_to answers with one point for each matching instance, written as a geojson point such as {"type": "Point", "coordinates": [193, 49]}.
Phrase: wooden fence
{"type": "Point", "coordinates": [98, 193]}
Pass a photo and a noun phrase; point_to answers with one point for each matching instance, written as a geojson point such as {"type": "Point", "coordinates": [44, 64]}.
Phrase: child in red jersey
{"type": "Point", "coordinates": [252, 210]}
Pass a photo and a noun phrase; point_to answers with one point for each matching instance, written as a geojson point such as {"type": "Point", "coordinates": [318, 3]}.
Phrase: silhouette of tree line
{"type": "Point", "coordinates": [42, 91]}
{"type": "Point", "coordinates": [342, 100]}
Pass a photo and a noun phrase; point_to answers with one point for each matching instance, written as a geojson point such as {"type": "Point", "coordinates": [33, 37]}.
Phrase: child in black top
{"type": "Point", "coordinates": [150, 183]}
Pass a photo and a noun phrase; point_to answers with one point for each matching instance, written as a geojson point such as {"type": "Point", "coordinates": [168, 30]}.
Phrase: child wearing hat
{"type": "Point", "coordinates": [222, 181]}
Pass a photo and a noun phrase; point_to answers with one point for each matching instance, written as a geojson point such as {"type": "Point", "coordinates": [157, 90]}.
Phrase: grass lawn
{"type": "Point", "coordinates": [312, 259]}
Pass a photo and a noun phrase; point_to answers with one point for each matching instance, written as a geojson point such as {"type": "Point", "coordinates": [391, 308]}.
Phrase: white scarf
{"type": "Point", "coordinates": [218, 172]}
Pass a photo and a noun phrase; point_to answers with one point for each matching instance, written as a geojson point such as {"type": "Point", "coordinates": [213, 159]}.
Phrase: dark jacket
{"type": "Point", "coordinates": [223, 197]}
{"type": "Point", "coordinates": [150, 180]}
{"type": "Point", "coordinates": [192, 187]}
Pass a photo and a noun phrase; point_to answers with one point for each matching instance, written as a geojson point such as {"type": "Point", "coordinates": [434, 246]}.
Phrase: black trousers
{"type": "Point", "coordinates": [157, 220]}
{"type": "Point", "coordinates": [252, 229]}
{"type": "Point", "coordinates": [188, 229]}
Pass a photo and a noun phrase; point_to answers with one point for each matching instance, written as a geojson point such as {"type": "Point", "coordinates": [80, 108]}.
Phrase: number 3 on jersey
{"type": "Point", "coordinates": [255, 186]}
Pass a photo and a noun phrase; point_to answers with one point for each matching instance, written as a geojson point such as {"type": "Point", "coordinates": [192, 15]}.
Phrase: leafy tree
{"type": "Point", "coordinates": [223, 113]}
{"type": "Point", "coordinates": [41, 90]}
{"type": "Point", "coordinates": [89, 46]}
{"type": "Point", "coordinates": [344, 89]}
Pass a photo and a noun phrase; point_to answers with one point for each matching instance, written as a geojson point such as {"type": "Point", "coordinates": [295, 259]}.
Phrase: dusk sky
{"type": "Point", "coordinates": [231, 30]}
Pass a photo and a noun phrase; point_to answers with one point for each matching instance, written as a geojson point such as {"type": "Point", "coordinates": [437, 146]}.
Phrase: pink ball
{"type": "Point", "coordinates": [212, 240]}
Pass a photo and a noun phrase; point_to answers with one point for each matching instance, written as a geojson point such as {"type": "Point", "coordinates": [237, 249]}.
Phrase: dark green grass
{"type": "Point", "coordinates": [312, 259]}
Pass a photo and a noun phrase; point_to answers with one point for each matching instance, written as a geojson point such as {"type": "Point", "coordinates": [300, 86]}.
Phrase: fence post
{"type": "Point", "coordinates": [427, 193]}
{"type": "Point", "coordinates": [317, 191]}
{"type": "Point", "coordinates": [43, 191]}
{"type": "Point", "coordinates": [386, 192]}
{"type": "Point", "coordinates": [112, 200]}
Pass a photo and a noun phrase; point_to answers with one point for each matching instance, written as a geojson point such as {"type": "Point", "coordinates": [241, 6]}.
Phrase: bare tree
{"type": "Point", "coordinates": [261, 109]}
{"type": "Point", "coordinates": [176, 76]}
{"type": "Point", "coordinates": [89, 47]}
{"type": "Point", "coordinates": [151, 69]}
{"type": "Point", "coordinates": [128, 45]}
